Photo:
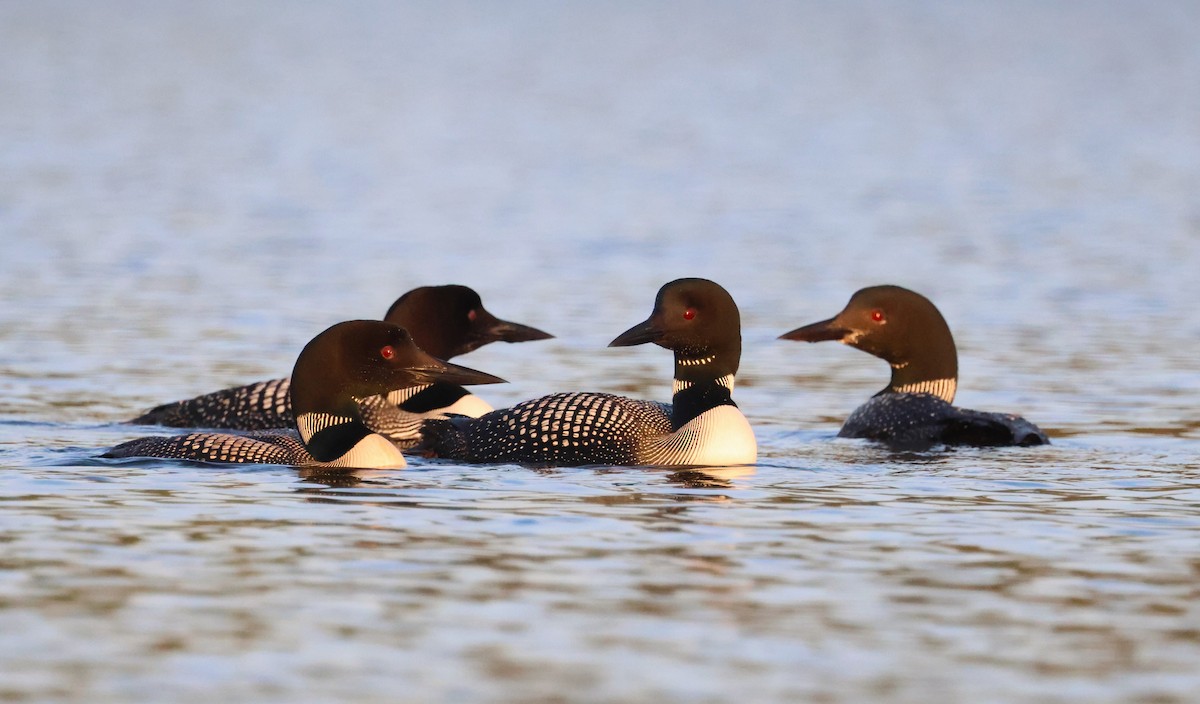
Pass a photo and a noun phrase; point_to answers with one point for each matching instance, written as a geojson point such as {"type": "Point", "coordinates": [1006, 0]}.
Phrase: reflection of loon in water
{"type": "Point", "coordinates": [709, 477]}
{"type": "Point", "coordinates": [906, 330]}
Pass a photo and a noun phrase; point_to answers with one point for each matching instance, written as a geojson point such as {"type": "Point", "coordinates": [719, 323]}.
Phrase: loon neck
{"type": "Point", "coordinates": [932, 370]}
{"type": "Point", "coordinates": [694, 365]}
{"type": "Point", "coordinates": [692, 398]}
{"type": "Point", "coordinates": [942, 388]}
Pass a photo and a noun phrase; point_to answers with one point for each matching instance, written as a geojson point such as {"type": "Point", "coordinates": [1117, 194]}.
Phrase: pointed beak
{"type": "Point", "coordinates": [430, 369]}
{"type": "Point", "coordinates": [505, 331]}
{"type": "Point", "coordinates": [487, 329]}
{"type": "Point", "coordinates": [639, 334]}
{"type": "Point", "coordinates": [818, 332]}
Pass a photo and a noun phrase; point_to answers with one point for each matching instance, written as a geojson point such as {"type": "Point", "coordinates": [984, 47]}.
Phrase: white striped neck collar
{"type": "Point", "coordinates": [399, 396]}
{"type": "Point", "coordinates": [681, 384]}
{"type": "Point", "coordinates": [942, 388]}
{"type": "Point", "coordinates": [309, 424]}
{"type": "Point", "coordinates": [695, 361]}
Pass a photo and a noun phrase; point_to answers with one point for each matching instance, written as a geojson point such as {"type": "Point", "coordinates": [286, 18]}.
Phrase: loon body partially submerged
{"type": "Point", "coordinates": [916, 409]}
{"type": "Point", "coordinates": [346, 363]}
{"type": "Point", "coordinates": [700, 323]}
{"type": "Point", "coordinates": [445, 321]}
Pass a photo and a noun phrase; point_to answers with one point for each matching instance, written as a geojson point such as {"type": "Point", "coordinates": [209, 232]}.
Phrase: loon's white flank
{"type": "Point", "coordinates": [372, 452]}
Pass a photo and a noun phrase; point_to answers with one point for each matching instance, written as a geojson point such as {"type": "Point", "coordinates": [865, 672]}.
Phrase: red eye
{"type": "Point", "coordinates": [877, 315]}
{"type": "Point", "coordinates": [689, 314]}
{"type": "Point", "coordinates": [471, 315]}
{"type": "Point", "coordinates": [387, 352]}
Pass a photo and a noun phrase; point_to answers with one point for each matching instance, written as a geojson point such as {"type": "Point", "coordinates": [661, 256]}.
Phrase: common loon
{"type": "Point", "coordinates": [344, 364]}
{"type": "Point", "coordinates": [915, 411]}
{"type": "Point", "coordinates": [445, 321]}
{"type": "Point", "coordinates": [700, 323]}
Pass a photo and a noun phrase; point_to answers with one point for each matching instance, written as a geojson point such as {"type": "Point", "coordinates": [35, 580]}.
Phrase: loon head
{"type": "Point", "coordinates": [699, 322]}
{"type": "Point", "coordinates": [447, 321]}
{"type": "Point", "coordinates": [899, 326]}
{"type": "Point", "coordinates": [353, 360]}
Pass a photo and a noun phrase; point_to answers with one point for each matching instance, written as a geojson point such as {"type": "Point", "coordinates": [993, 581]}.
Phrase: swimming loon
{"type": "Point", "coordinates": [445, 321]}
{"type": "Point", "coordinates": [345, 363]}
{"type": "Point", "coordinates": [700, 323]}
{"type": "Point", "coordinates": [915, 411]}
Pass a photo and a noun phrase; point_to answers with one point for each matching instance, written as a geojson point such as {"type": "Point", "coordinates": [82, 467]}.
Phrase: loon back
{"type": "Point", "coordinates": [265, 404]}
{"type": "Point", "coordinates": [585, 428]}
{"type": "Point", "coordinates": [696, 319]}
{"type": "Point", "coordinates": [915, 410]}
{"type": "Point", "coordinates": [920, 421]}
{"type": "Point", "coordinates": [264, 447]}
{"type": "Point", "coordinates": [562, 429]}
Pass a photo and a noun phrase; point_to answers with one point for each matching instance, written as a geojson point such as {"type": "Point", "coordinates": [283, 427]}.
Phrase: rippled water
{"type": "Point", "coordinates": [188, 192]}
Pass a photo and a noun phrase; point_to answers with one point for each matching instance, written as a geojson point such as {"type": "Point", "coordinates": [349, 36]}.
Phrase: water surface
{"type": "Point", "coordinates": [189, 192]}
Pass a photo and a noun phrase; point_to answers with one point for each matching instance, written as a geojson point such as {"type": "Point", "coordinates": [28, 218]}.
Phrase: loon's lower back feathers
{"type": "Point", "coordinates": [561, 429]}
{"type": "Point", "coordinates": [258, 406]}
{"type": "Point", "coordinates": [264, 447]}
{"type": "Point", "coordinates": [920, 421]}
{"type": "Point", "coordinates": [582, 428]}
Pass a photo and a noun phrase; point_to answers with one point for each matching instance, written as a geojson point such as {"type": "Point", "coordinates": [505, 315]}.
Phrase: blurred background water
{"type": "Point", "coordinates": [190, 191]}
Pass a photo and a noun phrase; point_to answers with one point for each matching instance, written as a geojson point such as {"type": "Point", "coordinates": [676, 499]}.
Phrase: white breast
{"type": "Point", "coordinates": [720, 436]}
{"type": "Point", "coordinates": [372, 452]}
